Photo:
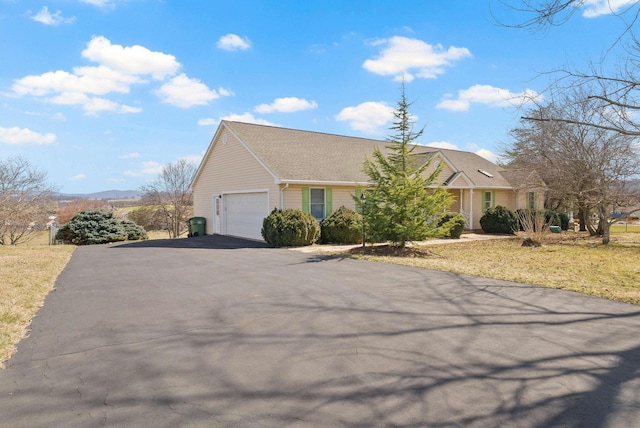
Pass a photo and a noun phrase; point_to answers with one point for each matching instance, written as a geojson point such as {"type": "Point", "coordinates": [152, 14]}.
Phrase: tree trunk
{"type": "Point", "coordinates": [606, 233]}
{"type": "Point", "coordinates": [583, 218]}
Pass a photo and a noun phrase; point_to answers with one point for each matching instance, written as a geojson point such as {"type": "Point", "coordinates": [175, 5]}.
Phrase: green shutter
{"type": "Point", "coordinates": [305, 200]}
{"type": "Point", "coordinates": [358, 204]}
{"type": "Point", "coordinates": [328, 202]}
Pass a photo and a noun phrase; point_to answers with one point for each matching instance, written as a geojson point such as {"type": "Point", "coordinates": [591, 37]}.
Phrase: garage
{"type": "Point", "coordinates": [244, 213]}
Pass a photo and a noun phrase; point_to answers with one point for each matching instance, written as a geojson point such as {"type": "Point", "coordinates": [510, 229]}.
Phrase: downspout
{"type": "Point", "coordinates": [471, 208]}
{"type": "Point", "coordinates": [282, 195]}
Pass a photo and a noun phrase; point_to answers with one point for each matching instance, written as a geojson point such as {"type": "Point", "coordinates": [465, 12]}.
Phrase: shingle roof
{"type": "Point", "coordinates": [295, 155]}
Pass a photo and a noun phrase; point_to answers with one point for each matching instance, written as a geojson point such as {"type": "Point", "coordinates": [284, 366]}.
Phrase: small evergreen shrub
{"type": "Point", "coordinates": [557, 218]}
{"type": "Point", "coordinates": [134, 232]}
{"type": "Point", "coordinates": [290, 228]}
{"type": "Point", "coordinates": [499, 220]}
{"type": "Point", "coordinates": [343, 226]}
{"type": "Point", "coordinates": [95, 227]}
{"type": "Point", "coordinates": [453, 224]}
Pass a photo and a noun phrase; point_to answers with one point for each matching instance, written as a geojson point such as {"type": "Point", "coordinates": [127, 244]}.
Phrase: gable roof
{"type": "Point", "coordinates": [296, 156]}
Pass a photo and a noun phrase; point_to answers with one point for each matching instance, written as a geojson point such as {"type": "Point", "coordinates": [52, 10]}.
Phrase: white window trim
{"type": "Point", "coordinates": [324, 201]}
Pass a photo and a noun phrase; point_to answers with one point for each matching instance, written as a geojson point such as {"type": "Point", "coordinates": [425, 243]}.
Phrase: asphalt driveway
{"type": "Point", "coordinates": [210, 332]}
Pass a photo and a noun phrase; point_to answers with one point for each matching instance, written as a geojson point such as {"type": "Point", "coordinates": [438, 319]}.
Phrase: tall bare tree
{"type": "Point", "coordinates": [587, 166]}
{"type": "Point", "coordinates": [26, 198]}
{"type": "Point", "coordinates": [612, 81]}
{"type": "Point", "coordinates": [171, 195]}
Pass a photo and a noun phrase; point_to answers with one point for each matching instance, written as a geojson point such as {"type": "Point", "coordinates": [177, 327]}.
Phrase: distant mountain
{"type": "Point", "coordinates": [107, 194]}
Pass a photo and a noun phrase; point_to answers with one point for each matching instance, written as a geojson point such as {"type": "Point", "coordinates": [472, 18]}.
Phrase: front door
{"type": "Point", "coordinates": [217, 215]}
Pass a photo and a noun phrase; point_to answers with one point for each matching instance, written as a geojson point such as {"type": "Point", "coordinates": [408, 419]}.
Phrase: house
{"type": "Point", "coordinates": [250, 169]}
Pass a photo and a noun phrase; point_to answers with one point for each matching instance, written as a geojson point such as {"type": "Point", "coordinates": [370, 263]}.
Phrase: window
{"type": "Point", "coordinates": [487, 200]}
{"type": "Point", "coordinates": [483, 172]}
{"type": "Point", "coordinates": [317, 203]}
{"type": "Point", "coordinates": [531, 200]}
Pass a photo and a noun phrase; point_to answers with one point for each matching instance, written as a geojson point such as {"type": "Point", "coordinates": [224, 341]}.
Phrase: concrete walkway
{"type": "Point", "coordinates": [465, 237]}
{"type": "Point", "coordinates": [208, 332]}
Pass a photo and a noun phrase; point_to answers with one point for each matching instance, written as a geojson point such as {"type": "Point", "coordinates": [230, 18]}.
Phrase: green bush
{"type": "Point", "coordinates": [343, 226]}
{"type": "Point", "coordinates": [499, 220]}
{"type": "Point", "coordinates": [453, 224]}
{"type": "Point", "coordinates": [149, 217]}
{"type": "Point", "coordinates": [134, 232]}
{"type": "Point", "coordinates": [557, 218]}
{"type": "Point", "coordinates": [96, 227]}
{"type": "Point", "coordinates": [290, 228]}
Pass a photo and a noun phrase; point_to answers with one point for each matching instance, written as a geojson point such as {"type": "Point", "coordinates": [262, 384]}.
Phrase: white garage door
{"type": "Point", "coordinates": [244, 213]}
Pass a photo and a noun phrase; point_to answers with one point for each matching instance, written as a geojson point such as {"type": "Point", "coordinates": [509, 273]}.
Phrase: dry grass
{"type": "Point", "coordinates": [28, 273]}
{"type": "Point", "coordinates": [570, 261]}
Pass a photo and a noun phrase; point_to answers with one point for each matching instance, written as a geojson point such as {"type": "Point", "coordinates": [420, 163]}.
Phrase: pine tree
{"type": "Point", "coordinates": [402, 205]}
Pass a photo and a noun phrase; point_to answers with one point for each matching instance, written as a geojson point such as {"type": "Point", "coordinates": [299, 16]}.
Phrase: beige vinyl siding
{"type": "Point", "coordinates": [521, 197]}
{"type": "Point", "coordinates": [343, 196]}
{"type": "Point", "coordinates": [340, 195]}
{"type": "Point", "coordinates": [230, 167]}
{"type": "Point", "coordinates": [292, 197]}
{"type": "Point", "coordinates": [506, 198]}
{"type": "Point", "coordinates": [444, 174]}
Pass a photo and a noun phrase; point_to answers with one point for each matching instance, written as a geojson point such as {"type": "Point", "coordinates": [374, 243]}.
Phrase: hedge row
{"type": "Point", "coordinates": [292, 228]}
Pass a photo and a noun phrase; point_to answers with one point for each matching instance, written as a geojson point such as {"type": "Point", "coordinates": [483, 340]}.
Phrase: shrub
{"type": "Point", "coordinates": [557, 218]}
{"type": "Point", "coordinates": [454, 222]}
{"type": "Point", "coordinates": [94, 227]}
{"type": "Point", "coordinates": [134, 232]}
{"type": "Point", "coordinates": [499, 220]}
{"type": "Point", "coordinates": [149, 217]}
{"type": "Point", "coordinates": [343, 226]}
{"type": "Point", "coordinates": [290, 228]}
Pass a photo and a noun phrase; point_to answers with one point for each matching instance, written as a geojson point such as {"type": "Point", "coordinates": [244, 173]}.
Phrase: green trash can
{"type": "Point", "coordinates": [197, 226]}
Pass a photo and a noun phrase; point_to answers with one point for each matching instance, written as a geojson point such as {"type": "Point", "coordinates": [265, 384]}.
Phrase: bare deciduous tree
{"type": "Point", "coordinates": [612, 81]}
{"type": "Point", "coordinates": [25, 200]}
{"type": "Point", "coordinates": [587, 166]}
{"type": "Point", "coordinates": [170, 193]}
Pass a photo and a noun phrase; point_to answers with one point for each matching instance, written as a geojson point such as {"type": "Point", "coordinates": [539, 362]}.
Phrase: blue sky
{"type": "Point", "coordinates": [101, 94]}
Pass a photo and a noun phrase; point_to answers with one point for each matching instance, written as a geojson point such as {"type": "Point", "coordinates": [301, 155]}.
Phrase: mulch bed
{"type": "Point", "coordinates": [391, 251]}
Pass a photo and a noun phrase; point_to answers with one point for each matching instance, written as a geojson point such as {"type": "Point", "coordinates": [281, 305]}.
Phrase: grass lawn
{"type": "Point", "coordinates": [572, 261]}
{"type": "Point", "coordinates": [28, 273]}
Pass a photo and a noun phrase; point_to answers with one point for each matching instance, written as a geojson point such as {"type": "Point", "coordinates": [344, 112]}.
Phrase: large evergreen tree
{"type": "Point", "coordinates": [402, 205]}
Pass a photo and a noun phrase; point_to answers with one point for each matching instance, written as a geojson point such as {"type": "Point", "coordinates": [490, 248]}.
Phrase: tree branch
{"type": "Point", "coordinates": [577, 122]}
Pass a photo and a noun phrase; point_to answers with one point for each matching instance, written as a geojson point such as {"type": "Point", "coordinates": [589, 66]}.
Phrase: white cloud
{"type": "Point", "coordinates": [595, 8]}
{"type": "Point", "coordinates": [119, 68]}
{"type": "Point", "coordinates": [132, 60]}
{"type": "Point", "coordinates": [132, 155]}
{"type": "Point", "coordinates": [488, 155]}
{"type": "Point", "coordinates": [148, 168]}
{"type": "Point", "coordinates": [78, 177]}
{"type": "Point", "coordinates": [233, 42]}
{"type": "Point", "coordinates": [286, 105]}
{"type": "Point", "coordinates": [400, 56]}
{"type": "Point", "coordinates": [369, 117]}
{"type": "Point", "coordinates": [488, 95]}
{"type": "Point", "coordinates": [208, 121]}
{"type": "Point", "coordinates": [193, 159]}
{"type": "Point", "coordinates": [47, 18]}
{"type": "Point", "coordinates": [184, 92]}
{"type": "Point", "coordinates": [93, 80]}
{"type": "Point", "coordinates": [99, 3]}
{"type": "Point", "coordinates": [17, 136]}
{"type": "Point", "coordinates": [443, 145]}
{"type": "Point", "coordinates": [248, 118]}
{"type": "Point", "coordinates": [92, 105]}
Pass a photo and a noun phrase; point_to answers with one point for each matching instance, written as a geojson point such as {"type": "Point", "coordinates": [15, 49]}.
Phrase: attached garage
{"type": "Point", "coordinates": [244, 212]}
